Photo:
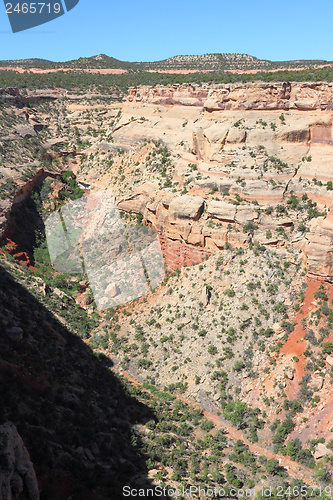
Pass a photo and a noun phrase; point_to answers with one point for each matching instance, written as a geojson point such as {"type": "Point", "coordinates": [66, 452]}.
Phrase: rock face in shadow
{"type": "Point", "coordinates": [74, 415]}
{"type": "Point", "coordinates": [17, 476]}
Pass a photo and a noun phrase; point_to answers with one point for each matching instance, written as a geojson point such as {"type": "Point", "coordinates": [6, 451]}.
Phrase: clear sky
{"type": "Point", "coordinates": [150, 30]}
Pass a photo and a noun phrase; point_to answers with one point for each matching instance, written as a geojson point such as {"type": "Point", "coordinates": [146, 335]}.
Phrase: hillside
{"type": "Point", "coordinates": [200, 63]}
{"type": "Point", "coordinates": [224, 62]}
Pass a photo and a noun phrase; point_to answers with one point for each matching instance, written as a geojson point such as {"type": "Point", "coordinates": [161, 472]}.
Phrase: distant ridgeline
{"type": "Point", "coordinates": [206, 62]}
{"type": "Point", "coordinates": [84, 73]}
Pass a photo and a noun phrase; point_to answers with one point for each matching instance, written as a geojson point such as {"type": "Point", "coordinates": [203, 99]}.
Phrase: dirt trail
{"type": "Point", "coordinates": [294, 469]}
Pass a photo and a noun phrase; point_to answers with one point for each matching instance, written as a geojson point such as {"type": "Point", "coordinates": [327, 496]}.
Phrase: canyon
{"type": "Point", "coordinates": [237, 181]}
{"type": "Point", "coordinates": [231, 141]}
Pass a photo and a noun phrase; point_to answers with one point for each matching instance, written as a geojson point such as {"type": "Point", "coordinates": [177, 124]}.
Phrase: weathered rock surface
{"type": "Point", "coordinates": [259, 142]}
{"type": "Point", "coordinates": [221, 210]}
{"type": "Point", "coordinates": [178, 255]}
{"type": "Point", "coordinates": [236, 135]}
{"type": "Point", "coordinates": [237, 96]}
{"type": "Point", "coordinates": [321, 451]}
{"type": "Point", "coordinates": [205, 295]}
{"type": "Point", "coordinates": [319, 246]}
{"type": "Point", "coordinates": [256, 142]}
{"type": "Point", "coordinates": [329, 360]}
{"type": "Point", "coordinates": [186, 207]}
{"type": "Point", "coordinates": [17, 475]}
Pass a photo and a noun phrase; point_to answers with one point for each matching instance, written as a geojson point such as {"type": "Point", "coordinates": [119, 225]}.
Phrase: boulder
{"type": "Point", "coordinates": [306, 104]}
{"type": "Point", "coordinates": [221, 210]}
{"type": "Point", "coordinates": [62, 295]}
{"type": "Point", "coordinates": [198, 141]}
{"type": "Point", "coordinates": [135, 203]}
{"type": "Point", "coordinates": [186, 207]}
{"type": "Point", "coordinates": [87, 301]}
{"type": "Point", "coordinates": [216, 133]}
{"type": "Point", "coordinates": [245, 214]}
{"type": "Point", "coordinates": [316, 382]}
{"type": "Point", "coordinates": [321, 451]}
{"type": "Point", "coordinates": [25, 131]}
{"type": "Point", "coordinates": [245, 317]}
{"type": "Point", "coordinates": [112, 290]}
{"type": "Point", "coordinates": [278, 330]}
{"type": "Point", "coordinates": [329, 360]}
{"type": "Point", "coordinates": [236, 135]}
{"type": "Point", "coordinates": [214, 140]}
{"type": "Point", "coordinates": [212, 105]}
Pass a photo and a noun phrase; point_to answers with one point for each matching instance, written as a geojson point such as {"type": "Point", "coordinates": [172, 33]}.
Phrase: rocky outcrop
{"type": "Point", "coordinates": [322, 133]}
{"type": "Point", "coordinates": [205, 295]}
{"type": "Point", "coordinates": [237, 96]}
{"type": "Point", "coordinates": [236, 136]}
{"type": "Point", "coordinates": [134, 204]}
{"type": "Point", "coordinates": [221, 210]}
{"type": "Point", "coordinates": [258, 142]}
{"type": "Point", "coordinates": [178, 254]}
{"type": "Point", "coordinates": [322, 451]}
{"type": "Point", "coordinates": [186, 207]}
{"type": "Point", "coordinates": [37, 180]}
{"type": "Point", "coordinates": [17, 476]}
{"type": "Point", "coordinates": [319, 246]}
{"type": "Point", "coordinates": [20, 97]}
{"type": "Point", "coordinates": [184, 224]}
{"type": "Point", "coordinates": [191, 227]}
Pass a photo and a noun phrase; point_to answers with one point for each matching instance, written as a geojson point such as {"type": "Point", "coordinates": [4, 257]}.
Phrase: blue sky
{"type": "Point", "coordinates": [149, 30]}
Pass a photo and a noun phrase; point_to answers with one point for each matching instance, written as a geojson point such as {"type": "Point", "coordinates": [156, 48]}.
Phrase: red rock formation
{"type": "Point", "coordinates": [178, 254]}
{"type": "Point", "coordinates": [10, 230]}
{"type": "Point", "coordinates": [14, 250]}
{"type": "Point", "coordinates": [37, 180]}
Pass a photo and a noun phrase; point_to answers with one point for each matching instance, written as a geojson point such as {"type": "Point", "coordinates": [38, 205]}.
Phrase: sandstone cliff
{"type": "Point", "coordinates": [243, 164]}
{"type": "Point", "coordinates": [257, 95]}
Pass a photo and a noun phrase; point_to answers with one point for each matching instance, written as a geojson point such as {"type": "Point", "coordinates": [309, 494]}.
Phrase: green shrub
{"type": "Point", "coordinates": [238, 366]}
{"type": "Point", "coordinates": [212, 349]}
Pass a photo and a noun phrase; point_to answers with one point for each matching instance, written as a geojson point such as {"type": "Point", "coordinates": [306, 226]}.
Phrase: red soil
{"type": "Point", "coordinates": [106, 71]}
{"type": "Point", "coordinates": [296, 345]}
